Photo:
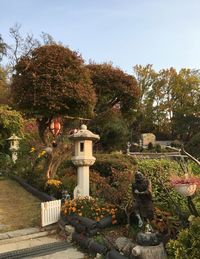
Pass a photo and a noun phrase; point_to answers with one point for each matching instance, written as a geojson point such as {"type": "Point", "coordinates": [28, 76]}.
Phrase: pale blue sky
{"type": "Point", "coordinates": [164, 33]}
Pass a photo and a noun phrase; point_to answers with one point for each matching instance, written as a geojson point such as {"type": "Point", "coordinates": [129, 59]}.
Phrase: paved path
{"type": "Point", "coordinates": [35, 239]}
{"type": "Point", "coordinates": [18, 208]}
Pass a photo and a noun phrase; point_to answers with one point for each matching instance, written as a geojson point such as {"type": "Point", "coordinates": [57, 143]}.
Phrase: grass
{"type": "Point", "coordinates": [18, 208]}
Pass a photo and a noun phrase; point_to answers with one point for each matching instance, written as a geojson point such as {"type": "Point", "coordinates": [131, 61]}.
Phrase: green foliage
{"type": "Point", "coordinates": [6, 163]}
{"type": "Point", "coordinates": [120, 162]}
{"type": "Point", "coordinates": [31, 162]}
{"type": "Point", "coordinates": [169, 102]}
{"type": "Point", "coordinates": [193, 146]}
{"type": "Point", "coordinates": [11, 122]}
{"type": "Point", "coordinates": [4, 88]}
{"type": "Point", "coordinates": [3, 48]}
{"type": "Point", "coordinates": [159, 171]}
{"type": "Point", "coordinates": [187, 243]}
{"type": "Point", "coordinates": [158, 148]}
{"type": "Point", "coordinates": [69, 179]}
{"type": "Point", "coordinates": [112, 129]}
{"type": "Point", "coordinates": [176, 143]}
{"type": "Point", "coordinates": [53, 80]}
{"type": "Point", "coordinates": [194, 168]}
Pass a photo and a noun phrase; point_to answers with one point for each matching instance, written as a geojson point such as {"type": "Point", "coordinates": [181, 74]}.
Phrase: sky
{"type": "Point", "coordinates": [165, 33]}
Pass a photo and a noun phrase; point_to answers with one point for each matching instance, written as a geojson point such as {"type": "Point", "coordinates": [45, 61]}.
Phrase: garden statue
{"type": "Point", "coordinates": [65, 196]}
{"type": "Point", "coordinates": [143, 206]}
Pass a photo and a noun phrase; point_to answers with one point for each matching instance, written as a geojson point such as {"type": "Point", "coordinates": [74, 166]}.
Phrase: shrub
{"type": "Point", "coordinates": [159, 171]}
{"type": "Point", "coordinates": [120, 162]}
{"type": "Point", "coordinates": [54, 188]}
{"type": "Point", "coordinates": [11, 121]}
{"type": "Point", "coordinates": [5, 163]}
{"type": "Point", "coordinates": [176, 143]}
{"type": "Point", "coordinates": [158, 148]}
{"type": "Point", "coordinates": [69, 180]}
{"type": "Point", "coordinates": [113, 130]}
{"type": "Point", "coordinates": [193, 146]}
{"type": "Point", "coordinates": [187, 243]}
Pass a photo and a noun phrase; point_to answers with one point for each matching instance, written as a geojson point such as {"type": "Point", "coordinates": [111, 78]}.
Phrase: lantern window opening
{"type": "Point", "coordinates": [81, 146]}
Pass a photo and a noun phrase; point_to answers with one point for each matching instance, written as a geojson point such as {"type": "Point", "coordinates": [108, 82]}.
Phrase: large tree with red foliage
{"type": "Point", "coordinates": [113, 87]}
{"type": "Point", "coordinates": [52, 81]}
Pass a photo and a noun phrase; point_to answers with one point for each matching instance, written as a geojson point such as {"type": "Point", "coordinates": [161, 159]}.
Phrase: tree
{"type": "Point", "coordinates": [52, 81]}
{"type": "Point", "coordinates": [186, 94]}
{"type": "Point", "coordinates": [113, 87]}
{"type": "Point", "coordinates": [4, 87]}
{"type": "Point", "coordinates": [146, 78]}
{"type": "Point", "coordinates": [11, 121]}
{"type": "Point", "coordinates": [117, 96]}
{"type": "Point", "coordinates": [169, 101]}
{"type": "Point", "coordinates": [3, 48]}
{"type": "Point", "coordinates": [112, 129]}
{"type": "Point", "coordinates": [24, 45]}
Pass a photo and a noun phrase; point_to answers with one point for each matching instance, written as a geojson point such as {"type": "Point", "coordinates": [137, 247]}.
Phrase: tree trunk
{"type": "Point", "coordinates": [58, 155]}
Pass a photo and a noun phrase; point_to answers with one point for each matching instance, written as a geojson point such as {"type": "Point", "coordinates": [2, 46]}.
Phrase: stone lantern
{"type": "Point", "coordinates": [14, 146]}
{"type": "Point", "coordinates": [83, 158]}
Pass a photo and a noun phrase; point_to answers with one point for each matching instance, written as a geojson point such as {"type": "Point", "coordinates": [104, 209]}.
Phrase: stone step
{"type": "Point", "coordinates": [36, 251]}
{"type": "Point", "coordinates": [33, 243]}
{"type": "Point", "coordinates": [24, 234]}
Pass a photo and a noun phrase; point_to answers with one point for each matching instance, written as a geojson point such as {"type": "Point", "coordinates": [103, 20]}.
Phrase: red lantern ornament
{"type": "Point", "coordinates": [55, 127]}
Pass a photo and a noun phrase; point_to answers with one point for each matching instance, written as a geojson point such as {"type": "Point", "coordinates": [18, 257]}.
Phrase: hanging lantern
{"type": "Point", "coordinates": [55, 127]}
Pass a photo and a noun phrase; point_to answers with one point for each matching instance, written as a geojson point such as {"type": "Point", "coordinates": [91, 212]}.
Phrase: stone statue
{"type": "Point", "coordinates": [141, 189]}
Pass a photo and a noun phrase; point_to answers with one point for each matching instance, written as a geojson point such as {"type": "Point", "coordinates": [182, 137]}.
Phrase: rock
{"type": "Point", "coordinates": [121, 242]}
{"type": "Point", "coordinates": [69, 230]}
{"type": "Point", "coordinates": [113, 254]}
{"type": "Point", "coordinates": [128, 248]}
{"type": "Point", "coordinates": [149, 252]}
{"type": "Point", "coordinates": [124, 245]}
{"type": "Point", "coordinates": [148, 239]}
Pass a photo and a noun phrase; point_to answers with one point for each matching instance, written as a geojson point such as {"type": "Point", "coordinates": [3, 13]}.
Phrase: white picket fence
{"type": "Point", "coordinates": [50, 212]}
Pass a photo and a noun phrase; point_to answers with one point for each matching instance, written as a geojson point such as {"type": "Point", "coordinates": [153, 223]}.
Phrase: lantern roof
{"type": "Point", "coordinates": [84, 134]}
{"type": "Point", "coordinates": [13, 137]}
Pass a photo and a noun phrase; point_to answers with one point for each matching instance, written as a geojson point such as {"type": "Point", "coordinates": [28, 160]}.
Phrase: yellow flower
{"type": "Point", "coordinates": [32, 150]}
{"type": "Point", "coordinates": [42, 153]}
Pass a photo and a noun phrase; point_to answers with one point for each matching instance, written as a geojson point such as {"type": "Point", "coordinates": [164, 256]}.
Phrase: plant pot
{"type": "Point", "coordinates": [186, 189]}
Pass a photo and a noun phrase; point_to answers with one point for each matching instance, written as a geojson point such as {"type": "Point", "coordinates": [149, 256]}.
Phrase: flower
{"type": "Point", "coordinates": [90, 207]}
{"type": "Point", "coordinates": [186, 179]}
{"type": "Point", "coordinates": [42, 153]}
{"type": "Point", "coordinates": [52, 182]}
{"type": "Point", "coordinates": [32, 150]}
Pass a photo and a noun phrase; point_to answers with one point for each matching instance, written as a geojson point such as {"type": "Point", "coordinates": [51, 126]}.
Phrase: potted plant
{"type": "Point", "coordinates": [186, 185]}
